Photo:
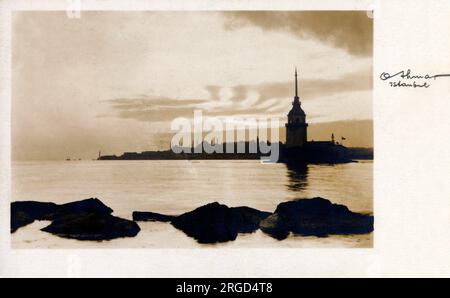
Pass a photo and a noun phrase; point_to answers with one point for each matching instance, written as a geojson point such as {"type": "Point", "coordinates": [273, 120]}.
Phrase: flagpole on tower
{"type": "Point", "coordinates": [296, 87]}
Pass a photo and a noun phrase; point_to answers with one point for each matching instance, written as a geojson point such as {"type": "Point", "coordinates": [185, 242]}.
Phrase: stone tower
{"type": "Point", "coordinates": [296, 127]}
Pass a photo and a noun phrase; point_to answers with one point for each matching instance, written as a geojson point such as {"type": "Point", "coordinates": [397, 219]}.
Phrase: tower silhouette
{"type": "Point", "coordinates": [296, 127]}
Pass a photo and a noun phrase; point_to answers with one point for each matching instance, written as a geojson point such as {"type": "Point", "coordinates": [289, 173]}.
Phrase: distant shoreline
{"type": "Point", "coordinates": [327, 156]}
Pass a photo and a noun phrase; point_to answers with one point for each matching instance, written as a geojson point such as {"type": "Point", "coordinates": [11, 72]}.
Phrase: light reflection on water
{"type": "Point", "coordinates": [174, 187]}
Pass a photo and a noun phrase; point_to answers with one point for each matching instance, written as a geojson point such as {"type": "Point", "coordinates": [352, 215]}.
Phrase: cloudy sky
{"type": "Point", "coordinates": [113, 81]}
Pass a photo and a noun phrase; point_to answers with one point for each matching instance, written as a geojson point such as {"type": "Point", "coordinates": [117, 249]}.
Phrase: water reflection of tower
{"type": "Point", "coordinates": [298, 176]}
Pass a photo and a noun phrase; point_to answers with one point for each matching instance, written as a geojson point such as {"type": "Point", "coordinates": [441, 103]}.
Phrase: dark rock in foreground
{"type": "Point", "coordinates": [151, 216]}
{"type": "Point", "coordinates": [310, 217]}
{"type": "Point", "coordinates": [218, 223]}
{"type": "Point", "coordinates": [92, 220]}
{"type": "Point", "coordinates": [25, 213]}
{"type": "Point", "coordinates": [92, 226]}
{"type": "Point", "coordinates": [275, 226]}
{"type": "Point", "coordinates": [88, 219]}
{"type": "Point", "coordinates": [315, 217]}
{"type": "Point", "coordinates": [92, 205]}
{"type": "Point", "coordinates": [211, 223]}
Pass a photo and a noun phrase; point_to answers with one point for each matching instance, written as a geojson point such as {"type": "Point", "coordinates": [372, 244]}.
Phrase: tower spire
{"type": "Point", "coordinates": [296, 88]}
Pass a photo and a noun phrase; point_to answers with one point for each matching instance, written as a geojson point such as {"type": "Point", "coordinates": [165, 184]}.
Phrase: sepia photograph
{"type": "Point", "coordinates": [222, 147]}
{"type": "Point", "coordinates": [192, 129]}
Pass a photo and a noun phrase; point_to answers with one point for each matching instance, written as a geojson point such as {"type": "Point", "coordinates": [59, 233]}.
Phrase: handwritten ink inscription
{"type": "Point", "coordinates": [408, 79]}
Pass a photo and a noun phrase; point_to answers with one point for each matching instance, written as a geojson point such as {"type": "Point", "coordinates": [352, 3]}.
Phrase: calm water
{"type": "Point", "coordinates": [174, 187]}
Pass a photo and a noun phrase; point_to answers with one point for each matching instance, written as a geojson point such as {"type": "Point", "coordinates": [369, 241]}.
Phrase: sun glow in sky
{"type": "Point", "coordinates": [113, 81]}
